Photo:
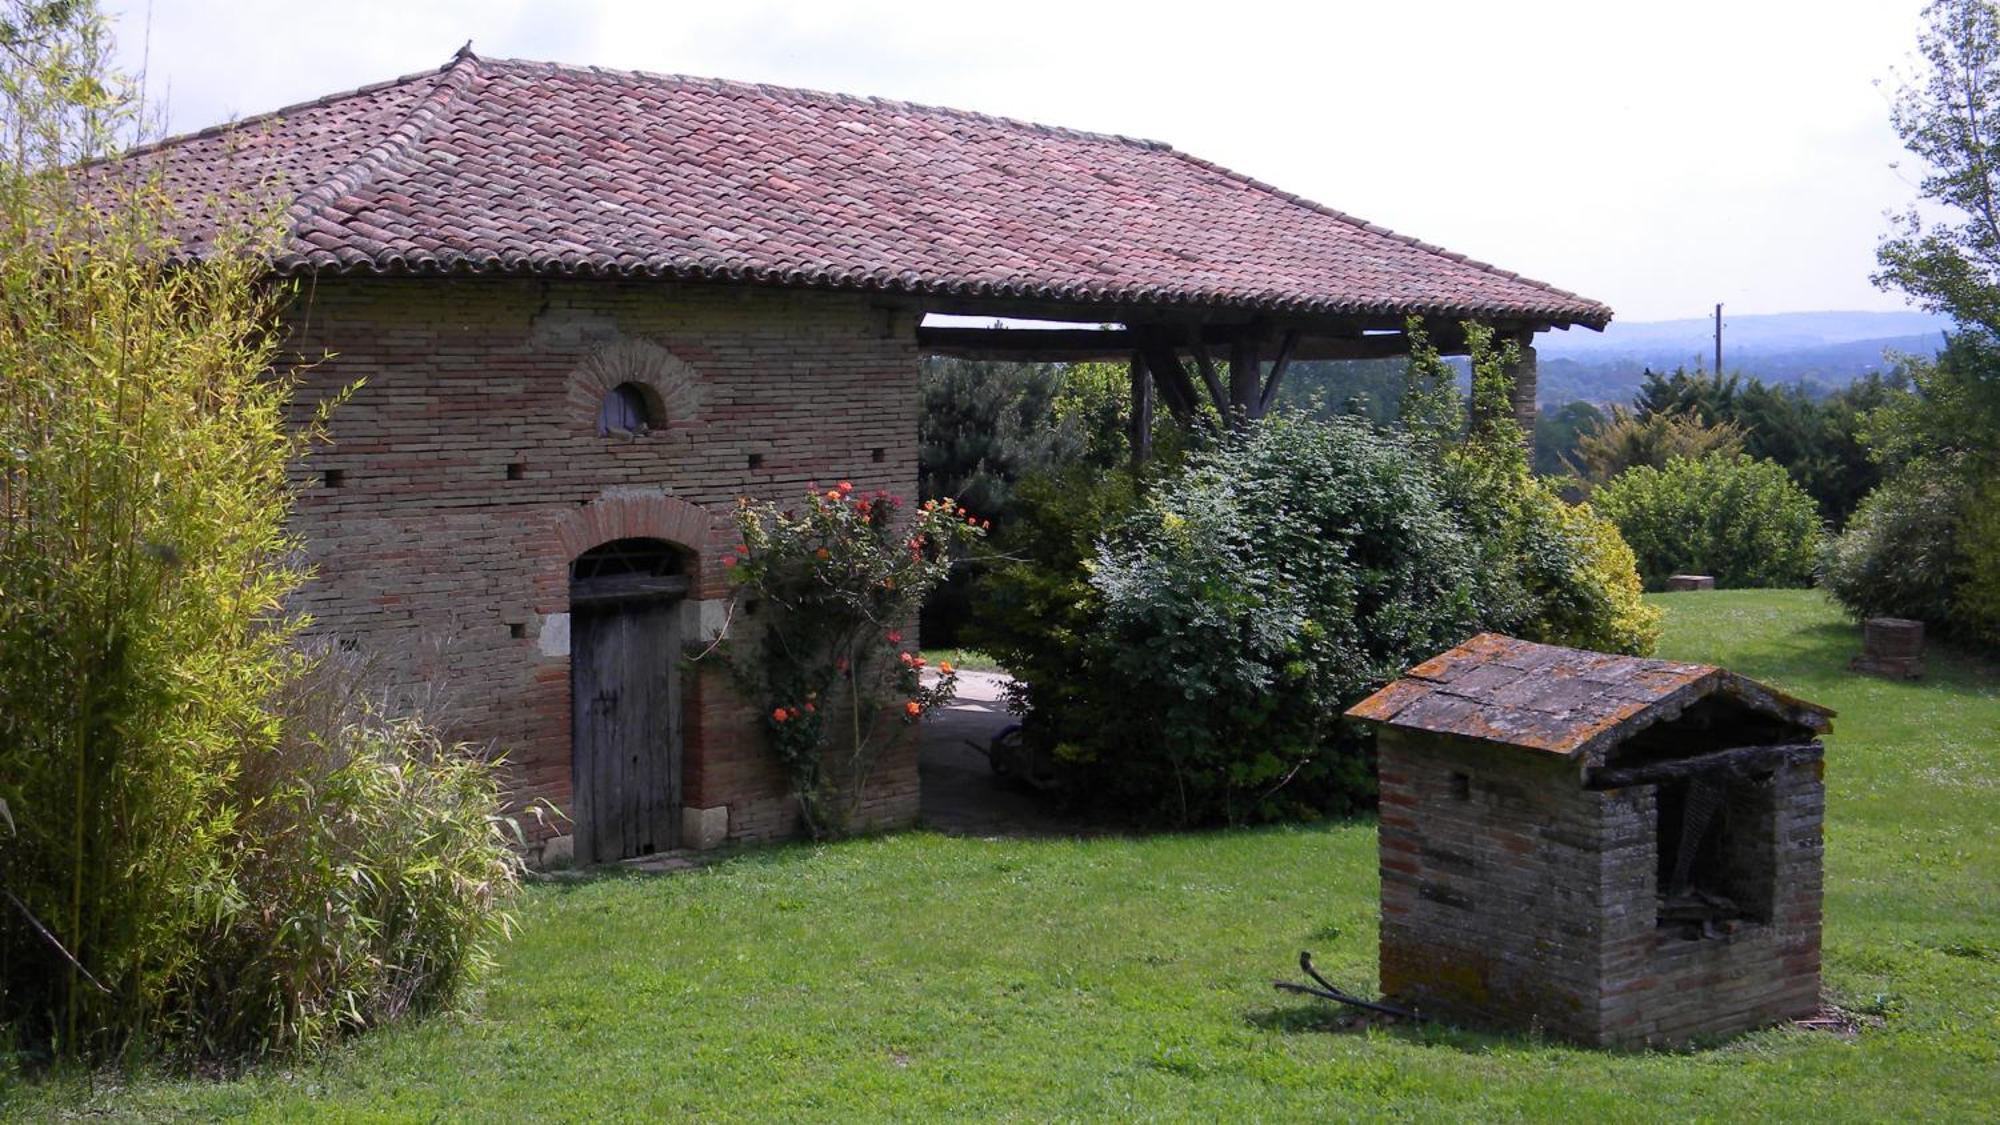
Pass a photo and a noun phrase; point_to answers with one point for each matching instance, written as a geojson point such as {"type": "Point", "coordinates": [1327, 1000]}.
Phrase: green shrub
{"type": "Point", "coordinates": [1745, 522]}
{"type": "Point", "coordinates": [190, 864]}
{"type": "Point", "coordinates": [1037, 613]}
{"type": "Point", "coordinates": [368, 875]}
{"type": "Point", "coordinates": [1904, 552]}
{"type": "Point", "coordinates": [143, 500]}
{"type": "Point", "coordinates": [1895, 557]}
{"type": "Point", "coordinates": [1250, 599]}
{"type": "Point", "coordinates": [1578, 580]}
{"type": "Point", "coordinates": [835, 582]}
{"type": "Point", "coordinates": [1976, 607]}
{"type": "Point", "coordinates": [1186, 644]}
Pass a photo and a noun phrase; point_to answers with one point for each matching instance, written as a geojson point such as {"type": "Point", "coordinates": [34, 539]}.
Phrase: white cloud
{"type": "Point", "coordinates": [1659, 157]}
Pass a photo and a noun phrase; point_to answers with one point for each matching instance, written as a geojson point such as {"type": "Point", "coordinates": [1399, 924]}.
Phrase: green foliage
{"type": "Point", "coordinates": [986, 426]}
{"type": "Point", "coordinates": [1817, 439]}
{"type": "Point", "coordinates": [1976, 606]}
{"type": "Point", "coordinates": [1148, 958]}
{"type": "Point", "coordinates": [142, 550]}
{"type": "Point", "coordinates": [833, 585]}
{"type": "Point", "coordinates": [1626, 441]}
{"type": "Point", "coordinates": [1249, 600]}
{"type": "Point", "coordinates": [1255, 592]}
{"type": "Point", "coordinates": [1039, 616]}
{"type": "Point", "coordinates": [1546, 570]}
{"type": "Point", "coordinates": [1741, 520]}
{"type": "Point", "coordinates": [1938, 442]}
{"type": "Point", "coordinates": [1557, 431]}
{"type": "Point", "coordinates": [369, 875]}
{"type": "Point", "coordinates": [1948, 115]}
{"type": "Point", "coordinates": [1897, 556]}
{"type": "Point", "coordinates": [191, 864]}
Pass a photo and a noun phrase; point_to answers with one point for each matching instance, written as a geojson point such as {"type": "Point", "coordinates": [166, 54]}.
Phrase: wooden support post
{"type": "Point", "coordinates": [1284, 360]}
{"type": "Point", "coordinates": [1142, 411]}
{"type": "Point", "coordinates": [1246, 382]}
{"type": "Point", "coordinates": [1216, 393]}
{"type": "Point", "coordinates": [1170, 378]}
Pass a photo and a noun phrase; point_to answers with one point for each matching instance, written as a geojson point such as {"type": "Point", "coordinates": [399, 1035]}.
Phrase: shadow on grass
{"type": "Point", "coordinates": [1330, 1018]}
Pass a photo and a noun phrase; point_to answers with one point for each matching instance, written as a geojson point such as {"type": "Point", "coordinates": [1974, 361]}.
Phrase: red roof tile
{"type": "Point", "coordinates": [508, 166]}
{"type": "Point", "coordinates": [1564, 701]}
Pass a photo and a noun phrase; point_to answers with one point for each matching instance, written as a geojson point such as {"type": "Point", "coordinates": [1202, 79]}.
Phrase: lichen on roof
{"type": "Point", "coordinates": [1564, 701]}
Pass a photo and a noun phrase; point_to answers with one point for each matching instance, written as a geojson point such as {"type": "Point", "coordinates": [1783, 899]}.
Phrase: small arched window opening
{"type": "Point", "coordinates": [629, 408]}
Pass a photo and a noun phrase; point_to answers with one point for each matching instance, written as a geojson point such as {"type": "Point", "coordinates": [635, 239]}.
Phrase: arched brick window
{"type": "Point", "coordinates": [629, 408]}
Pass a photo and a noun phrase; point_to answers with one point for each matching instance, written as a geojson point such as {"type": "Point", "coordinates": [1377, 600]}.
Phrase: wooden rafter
{"type": "Point", "coordinates": [1278, 366]}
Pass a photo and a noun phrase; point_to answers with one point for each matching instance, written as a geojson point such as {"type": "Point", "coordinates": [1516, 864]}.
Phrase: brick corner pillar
{"type": "Point", "coordinates": [1522, 377]}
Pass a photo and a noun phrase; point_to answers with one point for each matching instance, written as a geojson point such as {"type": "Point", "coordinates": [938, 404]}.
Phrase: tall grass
{"type": "Point", "coordinates": [202, 848]}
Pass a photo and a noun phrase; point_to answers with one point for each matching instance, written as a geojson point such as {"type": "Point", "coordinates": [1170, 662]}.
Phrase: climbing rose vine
{"type": "Point", "coordinates": [827, 590]}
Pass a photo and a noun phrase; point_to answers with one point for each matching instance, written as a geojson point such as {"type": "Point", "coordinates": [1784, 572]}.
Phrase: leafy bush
{"type": "Point", "coordinates": [1252, 597]}
{"type": "Point", "coordinates": [1918, 547]}
{"type": "Point", "coordinates": [188, 863]}
{"type": "Point", "coordinates": [1547, 570]}
{"type": "Point", "coordinates": [1743, 521]}
{"type": "Point", "coordinates": [1627, 441]}
{"type": "Point", "coordinates": [834, 584]}
{"type": "Point", "coordinates": [1976, 607]}
{"type": "Point", "coordinates": [368, 875]}
{"type": "Point", "coordinates": [1578, 580]}
{"type": "Point", "coordinates": [1188, 642]}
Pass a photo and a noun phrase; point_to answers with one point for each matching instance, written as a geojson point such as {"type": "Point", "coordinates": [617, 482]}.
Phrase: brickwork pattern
{"type": "Point", "coordinates": [466, 472]}
{"type": "Point", "coordinates": [1514, 898]}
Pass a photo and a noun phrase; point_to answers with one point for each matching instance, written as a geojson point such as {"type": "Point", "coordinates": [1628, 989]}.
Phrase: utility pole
{"type": "Point", "coordinates": [1718, 340]}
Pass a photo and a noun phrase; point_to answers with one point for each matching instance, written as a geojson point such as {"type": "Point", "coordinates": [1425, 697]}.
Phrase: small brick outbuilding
{"type": "Point", "coordinates": [590, 309]}
{"type": "Point", "coordinates": [1619, 851]}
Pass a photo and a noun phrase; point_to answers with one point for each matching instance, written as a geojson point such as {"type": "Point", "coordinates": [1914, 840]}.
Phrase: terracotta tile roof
{"type": "Point", "coordinates": [506, 166]}
{"type": "Point", "coordinates": [1562, 700]}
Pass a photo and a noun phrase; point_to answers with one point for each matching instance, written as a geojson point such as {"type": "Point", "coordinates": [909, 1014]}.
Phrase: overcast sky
{"type": "Point", "coordinates": [1658, 156]}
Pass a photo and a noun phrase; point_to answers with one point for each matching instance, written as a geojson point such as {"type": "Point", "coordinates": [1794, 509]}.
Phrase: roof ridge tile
{"type": "Point", "coordinates": [424, 117]}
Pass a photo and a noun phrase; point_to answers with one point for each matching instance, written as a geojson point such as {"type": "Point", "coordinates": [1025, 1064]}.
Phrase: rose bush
{"type": "Point", "coordinates": [828, 589]}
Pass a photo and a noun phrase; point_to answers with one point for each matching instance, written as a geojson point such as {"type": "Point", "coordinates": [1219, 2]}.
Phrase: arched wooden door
{"type": "Point", "coordinates": [624, 678]}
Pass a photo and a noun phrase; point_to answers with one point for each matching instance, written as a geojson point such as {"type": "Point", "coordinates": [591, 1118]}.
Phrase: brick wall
{"type": "Point", "coordinates": [1514, 898]}
{"type": "Point", "coordinates": [466, 472]}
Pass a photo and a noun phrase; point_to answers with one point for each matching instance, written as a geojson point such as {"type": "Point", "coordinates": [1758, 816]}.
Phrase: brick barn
{"type": "Point", "coordinates": [593, 308]}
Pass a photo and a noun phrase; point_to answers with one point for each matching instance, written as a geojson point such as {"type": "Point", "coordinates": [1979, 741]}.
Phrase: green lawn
{"type": "Point", "coordinates": [918, 977]}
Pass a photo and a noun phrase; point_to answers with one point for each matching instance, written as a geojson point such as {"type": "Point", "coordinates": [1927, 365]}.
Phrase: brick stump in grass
{"type": "Point", "coordinates": [1892, 647]}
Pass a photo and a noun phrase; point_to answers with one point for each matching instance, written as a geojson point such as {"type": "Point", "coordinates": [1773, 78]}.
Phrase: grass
{"type": "Point", "coordinates": [963, 659]}
{"type": "Point", "coordinates": [919, 977]}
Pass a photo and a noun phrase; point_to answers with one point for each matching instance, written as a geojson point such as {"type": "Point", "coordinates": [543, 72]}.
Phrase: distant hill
{"type": "Point", "coordinates": [1826, 348]}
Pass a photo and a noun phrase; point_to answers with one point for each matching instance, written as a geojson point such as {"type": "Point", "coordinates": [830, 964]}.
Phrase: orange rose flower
{"type": "Point", "coordinates": [780, 715]}
{"type": "Point", "coordinates": [913, 708]}
{"type": "Point", "coordinates": [944, 666]}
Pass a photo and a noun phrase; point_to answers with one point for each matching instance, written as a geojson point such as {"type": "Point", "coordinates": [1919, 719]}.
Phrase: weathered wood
{"type": "Point", "coordinates": [1739, 759]}
{"type": "Point", "coordinates": [626, 587]}
{"type": "Point", "coordinates": [1278, 366]}
{"type": "Point", "coordinates": [1209, 377]}
{"type": "Point", "coordinates": [1171, 378]}
{"type": "Point", "coordinates": [1142, 411]}
{"type": "Point", "coordinates": [1246, 385]}
{"type": "Point", "coordinates": [625, 727]}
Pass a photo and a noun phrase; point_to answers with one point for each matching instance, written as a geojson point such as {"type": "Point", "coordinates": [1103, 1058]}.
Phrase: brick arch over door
{"type": "Point", "coordinates": [669, 384]}
{"type": "Point", "coordinates": [627, 515]}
